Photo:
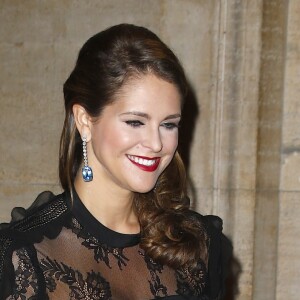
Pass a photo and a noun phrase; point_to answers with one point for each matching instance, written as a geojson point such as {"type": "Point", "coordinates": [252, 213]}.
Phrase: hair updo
{"type": "Point", "coordinates": [106, 62]}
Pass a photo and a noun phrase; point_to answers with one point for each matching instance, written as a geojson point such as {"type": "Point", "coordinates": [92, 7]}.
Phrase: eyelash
{"type": "Point", "coordinates": [137, 123]}
{"type": "Point", "coordinates": [170, 126]}
{"type": "Point", "coordinates": [134, 123]}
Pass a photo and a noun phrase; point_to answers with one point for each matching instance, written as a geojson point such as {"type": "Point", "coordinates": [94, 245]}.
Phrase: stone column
{"type": "Point", "coordinates": [269, 141]}
{"type": "Point", "coordinates": [288, 264]}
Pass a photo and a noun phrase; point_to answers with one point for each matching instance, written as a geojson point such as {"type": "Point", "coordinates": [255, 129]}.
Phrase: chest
{"type": "Point", "coordinates": [82, 268]}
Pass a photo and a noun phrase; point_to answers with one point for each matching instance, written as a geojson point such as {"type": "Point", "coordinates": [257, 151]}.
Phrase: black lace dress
{"type": "Point", "coordinates": [56, 250]}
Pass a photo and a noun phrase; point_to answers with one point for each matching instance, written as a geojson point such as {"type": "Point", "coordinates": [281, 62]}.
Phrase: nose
{"type": "Point", "coordinates": [153, 140]}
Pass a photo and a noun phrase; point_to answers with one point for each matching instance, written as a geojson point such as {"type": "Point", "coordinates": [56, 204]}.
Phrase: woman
{"type": "Point", "coordinates": [123, 228]}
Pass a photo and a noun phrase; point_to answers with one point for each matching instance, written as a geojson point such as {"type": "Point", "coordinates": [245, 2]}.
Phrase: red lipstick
{"type": "Point", "coordinates": [143, 167]}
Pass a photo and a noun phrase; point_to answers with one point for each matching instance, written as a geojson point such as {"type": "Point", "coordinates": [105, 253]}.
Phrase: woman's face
{"type": "Point", "coordinates": [135, 138]}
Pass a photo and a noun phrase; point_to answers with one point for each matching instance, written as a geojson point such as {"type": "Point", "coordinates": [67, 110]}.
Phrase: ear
{"type": "Point", "coordinates": [83, 121]}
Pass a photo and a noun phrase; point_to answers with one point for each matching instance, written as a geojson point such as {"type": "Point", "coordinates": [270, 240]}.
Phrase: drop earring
{"type": "Point", "coordinates": [87, 172]}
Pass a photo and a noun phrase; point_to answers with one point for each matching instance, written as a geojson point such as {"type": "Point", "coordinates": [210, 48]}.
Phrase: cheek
{"type": "Point", "coordinates": [119, 140]}
{"type": "Point", "coordinates": [171, 141]}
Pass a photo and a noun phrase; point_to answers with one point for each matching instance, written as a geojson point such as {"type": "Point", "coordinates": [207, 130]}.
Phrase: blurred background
{"type": "Point", "coordinates": [242, 58]}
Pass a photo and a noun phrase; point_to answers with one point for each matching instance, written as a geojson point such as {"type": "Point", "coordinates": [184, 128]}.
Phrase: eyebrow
{"type": "Point", "coordinates": [144, 115]}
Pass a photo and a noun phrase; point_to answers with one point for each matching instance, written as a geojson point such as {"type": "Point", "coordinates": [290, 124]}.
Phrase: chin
{"type": "Point", "coordinates": [142, 191]}
{"type": "Point", "coordinates": [143, 188]}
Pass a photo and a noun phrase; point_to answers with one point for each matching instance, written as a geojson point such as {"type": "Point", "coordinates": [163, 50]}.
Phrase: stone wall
{"type": "Point", "coordinates": [242, 60]}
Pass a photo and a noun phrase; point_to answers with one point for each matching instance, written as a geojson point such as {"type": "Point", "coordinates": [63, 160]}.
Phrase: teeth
{"type": "Point", "coordinates": [141, 161]}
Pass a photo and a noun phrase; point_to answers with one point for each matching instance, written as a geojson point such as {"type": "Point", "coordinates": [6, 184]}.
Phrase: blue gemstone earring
{"type": "Point", "coordinates": [87, 172]}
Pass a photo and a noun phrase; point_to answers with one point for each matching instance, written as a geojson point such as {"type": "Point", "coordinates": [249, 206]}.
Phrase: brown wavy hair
{"type": "Point", "coordinates": [106, 62]}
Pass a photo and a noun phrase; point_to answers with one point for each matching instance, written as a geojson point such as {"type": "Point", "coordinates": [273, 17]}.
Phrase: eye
{"type": "Point", "coordinates": [170, 125]}
{"type": "Point", "coordinates": [134, 123]}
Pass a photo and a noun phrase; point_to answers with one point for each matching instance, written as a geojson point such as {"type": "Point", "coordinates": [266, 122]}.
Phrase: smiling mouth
{"type": "Point", "coordinates": [145, 163]}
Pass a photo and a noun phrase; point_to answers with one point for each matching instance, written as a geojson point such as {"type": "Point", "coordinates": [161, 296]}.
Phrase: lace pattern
{"type": "Point", "coordinates": [191, 283]}
{"type": "Point", "coordinates": [4, 246]}
{"type": "Point", "coordinates": [101, 251]}
{"type": "Point", "coordinates": [93, 287]}
{"type": "Point", "coordinates": [26, 285]}
{"type": "Point", "coordinates": [157, 288]}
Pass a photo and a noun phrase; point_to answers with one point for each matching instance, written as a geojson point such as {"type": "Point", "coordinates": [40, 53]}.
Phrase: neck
{"type": "Point", "coordinates": [111, 206]}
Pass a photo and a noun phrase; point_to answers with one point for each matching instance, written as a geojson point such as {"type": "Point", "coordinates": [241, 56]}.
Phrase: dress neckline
{"type": "Point", "coordinates": [95, 228]}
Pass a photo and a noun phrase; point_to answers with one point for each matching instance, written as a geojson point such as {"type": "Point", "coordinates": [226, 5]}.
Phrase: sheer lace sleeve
{"type": "Point", "coordinates": [26, 283]}
{"type": "Point", "coordinates": [19, 269]}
